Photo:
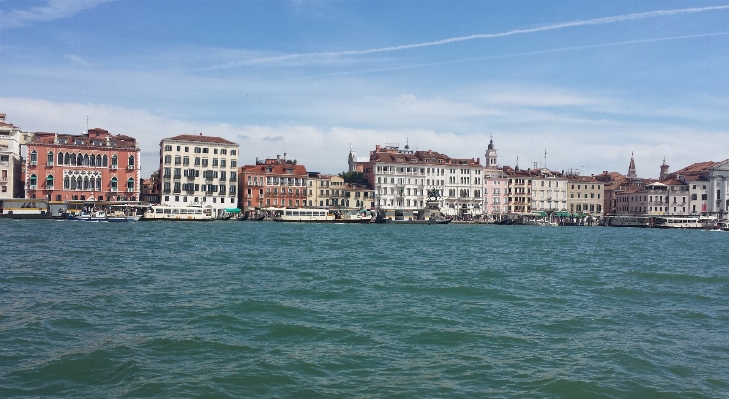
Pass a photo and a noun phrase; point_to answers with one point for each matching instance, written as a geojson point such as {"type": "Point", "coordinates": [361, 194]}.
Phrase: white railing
{"type": "Point", "coordinates": [33, 163]}
{"type": "Point", "coordinates": [32, 186]}
{"type": "Point", "coordinates": [130, 167]}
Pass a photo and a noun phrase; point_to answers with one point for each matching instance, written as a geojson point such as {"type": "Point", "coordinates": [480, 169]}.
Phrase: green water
{"type": "Point", "coordinates": [253, 309]}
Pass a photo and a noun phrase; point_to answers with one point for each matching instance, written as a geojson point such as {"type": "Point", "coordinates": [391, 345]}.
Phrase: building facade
{"type": "Point", "coordinates": [549, 191]}
{"type": "Point", "coordinates": [95, 165]}
{"type": "Point", "coordinates": [585, 195]}
{"type": "Point", "coordinates": [319, 190]}
{"type": "Point", "coordinates": [11, 162]}
{"type": "Point", "coordinates": [273, 183]}
{"type": "Point", "coordinates": [403, 180]}
{"type": "Point", "coordinates": [197, 170]}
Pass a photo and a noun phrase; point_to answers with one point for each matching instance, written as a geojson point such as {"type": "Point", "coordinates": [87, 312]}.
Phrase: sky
{"type": "Point", "coordinates": [587, 82]}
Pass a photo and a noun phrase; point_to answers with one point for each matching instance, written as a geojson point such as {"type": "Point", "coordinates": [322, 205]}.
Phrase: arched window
{"type": "Point", "coordinates": [98, 184]}
{"type": "Point", "coordinates": [80, 160]}
{"type": "Point", "coordinates": [79, 184]}
{"type": "Point", "coordinates": [33, 156]}
{"type": "Point", "coordinates": [83, 197]}
{"type": "Point", "coordinates": [131, 160]}
{"type": "Point", "coordinates": [130, 184]}
{"type": "Point", "coordinates": [92, 160]}
{"type": "Point", "coordinates": [86, 183]}
{"type": "Point", "coordinates": [58, 197]}
{"type": "Point", "coordinates": [67, 159]}
{"type": "Point", "coordinates": [113, 161]}
{"type": "Point", "coordinates": [92, 183]}
{"type": "Point", "coordinates": [98, 160]}
{"type": "Point", "coordinates": [133, 198]}
{"type": "Point", "coordinates": [49, 182]}
{"type": "Point", "coordinates": [66, 183]}
{"type": "Point", "coordinates": [105, 161]}
{"type": "Point", "coordinates": [33, 181]}
{"type": "Point", "coordinates": [114, 184]}
{"type": "Point", "coordinates": [51, 158]}
{"type": "Point", "coordinates": [75, 197]}
{"type": "Point", "coordinates": [60, 158]}
{"type": "Point", "coordinates": [86, 160]}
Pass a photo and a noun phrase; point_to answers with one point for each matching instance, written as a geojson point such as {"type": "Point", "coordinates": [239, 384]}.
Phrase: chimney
{"type": "Point", "coordinates": [478, 160]}
{"type": "Point", "coordinates": [201, 133]}
{"type": "Point", "coordinates": [377, 147]}
{"type": "Point", "coordinates": [278, 156]}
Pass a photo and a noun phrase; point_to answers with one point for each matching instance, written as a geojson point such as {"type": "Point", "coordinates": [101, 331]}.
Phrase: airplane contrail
{"type": "Point", "coordinates": [594, 21]}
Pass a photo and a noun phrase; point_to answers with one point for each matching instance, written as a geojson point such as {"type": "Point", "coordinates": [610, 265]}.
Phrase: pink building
{"type": "Point", "coordinates": [94, 165]}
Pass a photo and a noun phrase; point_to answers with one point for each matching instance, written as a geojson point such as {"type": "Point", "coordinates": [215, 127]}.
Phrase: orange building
{"type": "Point", "coordinates": [94, 165]}
{"type": "Point", "coordinates": [272, 183]}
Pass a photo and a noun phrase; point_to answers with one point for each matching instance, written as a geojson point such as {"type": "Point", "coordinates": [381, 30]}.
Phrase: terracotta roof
{"type": "Point", "coordinates": [583, 179]}
{"type": "Point", "coordinates": [201, 138]}
{"type": "Point", "coordinates": [697, 167]}
{"type": "Point", "coordinates": [421, 157]}
{"type": "Point", "coordinates": [672, 182]}
{"type": "Point", "coordinates": [276, 169]}
{"type": "Point", "coordinates": [120, 141]}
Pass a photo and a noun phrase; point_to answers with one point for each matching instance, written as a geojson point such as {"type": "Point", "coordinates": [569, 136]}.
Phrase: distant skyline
{"type": "Point", "coordinates": [589, 82]}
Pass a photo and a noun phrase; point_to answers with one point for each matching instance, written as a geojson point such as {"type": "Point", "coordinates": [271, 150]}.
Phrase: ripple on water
{"type": "Point", "coordinates": [294, 310]}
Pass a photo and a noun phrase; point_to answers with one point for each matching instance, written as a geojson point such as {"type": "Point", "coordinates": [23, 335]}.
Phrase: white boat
{"type": "Point", "coordinates": [629, 221]}
{"type": "Point", "coordinates": [92, 216]}
{"type": "Point", "coordinates": [181, 213]}
{"type": "Point", "coordinates": [679, 222]}
{"type": "Point", "coordinates": [724, 226]}
{"type": "Point", "coordinates": [303, 215]}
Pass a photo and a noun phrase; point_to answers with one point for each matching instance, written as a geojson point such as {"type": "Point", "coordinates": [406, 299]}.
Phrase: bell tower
{"type": "Point", "coordinates": [631, 168]}
{"type": "Point", "coordinates": [491, 155]}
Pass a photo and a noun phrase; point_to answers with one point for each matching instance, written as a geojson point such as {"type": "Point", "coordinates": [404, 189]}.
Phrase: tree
{"type": "Point", "coordinates": [353, 177]}
{"type": "Point", "coordinates": [291, 162]}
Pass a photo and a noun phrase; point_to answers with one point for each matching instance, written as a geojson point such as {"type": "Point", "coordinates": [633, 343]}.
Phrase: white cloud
{"type": "Point", "coordinates": [591, 146]}
{"type": "Point", "coordinates": [52, 10]}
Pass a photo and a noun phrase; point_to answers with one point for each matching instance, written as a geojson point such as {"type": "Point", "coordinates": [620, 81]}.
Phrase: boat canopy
{"type": "Point", "coordinates": [232, 210]}
{"type": "Point", "coordinates": [562, 214]}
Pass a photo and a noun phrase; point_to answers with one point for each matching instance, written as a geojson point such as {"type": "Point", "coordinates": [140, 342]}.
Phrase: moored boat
{"type": "Point", "coordinates": [178, 213]}
{"type": "Point", "coordinates": [628, 221]}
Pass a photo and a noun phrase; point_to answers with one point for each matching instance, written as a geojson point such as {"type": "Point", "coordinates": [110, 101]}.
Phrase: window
{"type": "Point", "coordinates": [178, 160]}
{"type": "Point", "coordinates": [215, 161]}
{"type": "Point", "coordinates": [197, 161]}
{"type": "Point", "coordinates": [168, 148]}
{"type": "Point", "coordinates": [223, 151]}
{"type": "Point", "coordinates": [232, 152]}
{"type": "Point", "coordinates": [131, 160]}
{"type": "Point", "coordinates": [222, 163]}
{"type": "Point", "coordinates": [215, 150]}
{"type": "Point", "coordinates": [205, 150]}
{"type": "Point", "coordinates": [49, 182]}
{"type": "Point", "coordinates": [197, 150]}
{"type": "Point", "coordinates": [114, 184]}
{"type": "Point", "coordinates": [233, 163]}
{"type": "Point", "coordinates": [187, 149]}
{"type": "Point", "coordinates": [130, 184]}
{"type": "Point", "coordinates": [205, 162]}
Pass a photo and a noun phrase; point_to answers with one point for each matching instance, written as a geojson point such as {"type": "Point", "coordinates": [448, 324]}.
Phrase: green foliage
{"type": "Point", "coordinates": [291, 162]}
{"type": "Point", "coordinates": [353, 177]}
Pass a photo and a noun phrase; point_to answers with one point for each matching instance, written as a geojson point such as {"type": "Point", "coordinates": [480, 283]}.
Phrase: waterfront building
{"type": "Point", "coordinates": [150, 189]}
{"type": "Point", "coordinates": [549, 191]}
{"type": "Point", "coordinates": [708, 183]}
{"type": "Point", "coordinates": [95, 165]}
{"type": "Point", "coordinates": [657, 198]}
{"type": "Point", "coordinates": [197, 170]}
{"type": "Point", "coordinates": [273, 183]}
{"type": "Point", "coordinates": [519, 190]}
{"type": "Point", "coordinates": [585, 195]}
{"type": "Point", "coordinates": [11, 168]}
{"type": "Point", "coordinates": [318, 192]}
{"type": "Point", "coordinates": [337, 193]}
{"type": "Point", "coordinates": [495, 186]}
{"type": "Point", "coordinates": [358, 196]}
{"type": "Point", "coordinates": [403, 180]}
{"type": "Point", "coordinates": [613, 183]}
{"type": "Point", "coordinates": [495, 193]}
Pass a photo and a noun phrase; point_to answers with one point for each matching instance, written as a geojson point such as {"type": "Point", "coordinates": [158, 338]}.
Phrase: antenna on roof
{"type": "Point", "coordinates": [87, 123]}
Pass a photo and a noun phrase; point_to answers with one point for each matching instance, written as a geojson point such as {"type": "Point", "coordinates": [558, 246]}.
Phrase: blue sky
{"type": "Point", "coordinates": [590, 81]}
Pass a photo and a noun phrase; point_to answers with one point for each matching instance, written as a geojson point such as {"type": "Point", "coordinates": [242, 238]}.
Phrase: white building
{"type": "Point", "coordinates": [495, 186]}
{"type": "Point", "coordinates": [11, 138]}
{"type": "Point", "coordinates": [549, 191]}
{"type": "Point", "coordinates": [199, 170]}
{"type": "Point", "coordinates": [718, 200]}
{"type": "Point", "coordinates": [403, 181]}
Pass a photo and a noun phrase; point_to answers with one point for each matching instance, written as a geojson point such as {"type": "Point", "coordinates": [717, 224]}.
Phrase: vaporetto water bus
{"type": "Point", "coordinates": [683, 222]}
{"type": "Point", "coordinates": [178, 213]}
{"type": "Point", "coordinates": [628, 221]}
{"type": "Point", "coordinates": [321, 216]}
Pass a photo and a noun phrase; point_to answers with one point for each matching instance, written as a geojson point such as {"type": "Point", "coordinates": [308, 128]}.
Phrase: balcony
{"type": "Point", "coordinates": [49, 163]}
{"type": "Point", "coordinates": [130, 190]}
{"type": "Point", "coordinates": [177, 177]}
{"type": "Point", "coordinates": [33, 186]}
{"type": "Point", "coordinates": [113, 189]}
{"type": "Point", "coordinates": [130, 167]}
{"type": "Point", "coordinates": [4, 179]}
{"type": "Point", "coordinates": [249, 196]}
{"type": "Point", "coordinates": [113, 167]}
{"type": "Point", "coordinates": [33, 163]}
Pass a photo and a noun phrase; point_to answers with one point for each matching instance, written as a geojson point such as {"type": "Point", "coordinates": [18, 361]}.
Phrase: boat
{"type": "Point", "coordinates": [178, 213]}
{"type": "Point", "coordinates": [89, 216]}
{"type": "Point", "coordinates": [21, 208]}
{"type": "Point", "coordinates": [723, 226]}
{"type": "Point", "coordinates": [679, 222]}
{"type": "Point", "coordinates": [443, 221]}
{"type": "Point", "coordinates": [628, 221]}
{"type": "Point", "coordinates": [303, 215]}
